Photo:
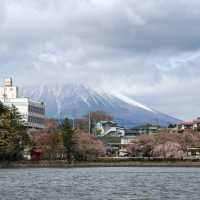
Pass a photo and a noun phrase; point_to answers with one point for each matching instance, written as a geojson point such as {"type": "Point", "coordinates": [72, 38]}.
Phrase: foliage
{"type": "Point", "coordinates": [87, 147]}
{"type": "Point", "coordinates": [10, 148]}
{"type": "Point", "coordinates": [101, 116]}
{"type": "Point", "coordinates": [172, 126]}
{"type": "Point", "coordinates": [67, 143]}
{"type": "Point", "coordinates": [55, 142]}
{"type": "Point", "coordinates": [164, 144]}
{"type": "Point", "coordinates": [13, 134]}
{"type": "Point", "coordinates": [83, 123]}
{"type": "Point", "coordinates": [68, 139]}
{"type": "Point", "coordinates": [50, 144]}
{"type": "Point", "coordinates": [142, 146]}
{"type": "Point", "coordinates": [51, 125]}
{"type": "Point", "coordinates": [168, 150]}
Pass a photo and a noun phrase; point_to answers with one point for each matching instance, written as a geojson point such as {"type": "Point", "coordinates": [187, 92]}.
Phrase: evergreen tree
{"type": "Point", "coordinates": [17, 126]}
{"type": "Point", "coordinates": [68, 139]}
{"type": "Point", "coordinates": [4, 116]}
{"type": "Point", "coordinates": [3, 109]}
{"type": "Point", "coordinates": [13, 133]}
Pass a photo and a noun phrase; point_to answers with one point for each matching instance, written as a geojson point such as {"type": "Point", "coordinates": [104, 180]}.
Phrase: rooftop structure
{"type": "Point", "coordinates": [8, 91]}
{"type": "Point", "coordinates": [33, 112]}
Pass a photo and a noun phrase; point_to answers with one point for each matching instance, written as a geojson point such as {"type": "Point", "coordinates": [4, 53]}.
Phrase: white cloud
{"type": "Point", "coordinates": [143, 49]}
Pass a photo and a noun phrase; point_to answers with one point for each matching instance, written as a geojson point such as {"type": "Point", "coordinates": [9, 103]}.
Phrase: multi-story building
{"type": "Point", "coordinates": [33, 112]}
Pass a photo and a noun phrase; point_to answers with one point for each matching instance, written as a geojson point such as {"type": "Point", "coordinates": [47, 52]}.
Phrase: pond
{"type": "Point", "coordinates": [100, 183]}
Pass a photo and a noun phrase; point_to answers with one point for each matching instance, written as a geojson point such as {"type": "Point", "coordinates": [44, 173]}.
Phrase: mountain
{"type": "Point", "coordinates": [74, 101]}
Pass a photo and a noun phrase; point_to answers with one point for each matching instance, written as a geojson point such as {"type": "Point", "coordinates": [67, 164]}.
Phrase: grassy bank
{"type": "Point", "coordinates": [100, 163]}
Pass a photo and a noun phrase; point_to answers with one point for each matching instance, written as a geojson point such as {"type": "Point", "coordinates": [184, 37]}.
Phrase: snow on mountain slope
{"type": "Point", "coordinates": [74, 101]}
{"type": "Point", "coordinates": [132, 102]}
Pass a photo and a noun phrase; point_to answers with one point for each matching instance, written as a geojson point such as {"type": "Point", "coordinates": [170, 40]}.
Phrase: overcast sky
{"type": "Point", "coordinates": [149, 50]}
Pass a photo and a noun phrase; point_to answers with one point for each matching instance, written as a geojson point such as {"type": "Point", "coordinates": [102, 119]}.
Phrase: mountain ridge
{"type": "Point", "coordinates": [74, 101]}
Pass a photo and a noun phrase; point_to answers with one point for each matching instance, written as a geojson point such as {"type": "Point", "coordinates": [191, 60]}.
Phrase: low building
{"type": "Point", "coordinates": [147, 129]}
{"type": "Point", "coordinates": [127, 139]}
{"type": "Point", "coordinates": [129, 136]}
{"type": "Point", "coordinates": [196, 124]}
{"type": "Point", "coordinates": [187, 125]}
{"type": "Point", "coordinates": [33, 112]}
{"type": "Point", "coordinates": [193, 125]}
{"type": "Point", "coordinates": [193, 152]}
{"type": "Point", "coordinates": [107, 130]}
{"type": "Point", "coordinates": [110, 134]}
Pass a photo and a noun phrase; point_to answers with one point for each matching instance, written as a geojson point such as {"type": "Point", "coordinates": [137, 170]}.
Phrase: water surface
{"type": "Point", "coordinates": [100, 183]}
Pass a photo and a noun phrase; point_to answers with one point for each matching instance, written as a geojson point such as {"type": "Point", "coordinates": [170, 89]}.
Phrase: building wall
{"type": "Point", "coordinates": [33, 113]}
{"type": "Point", "coordinates": [8, 92]}
{"type": "Point", "coordinates": [36, 114]}
{"type": "Point", "coordinates": [127, 139]}
{"type": "Point", "coordinates": [20, 103]}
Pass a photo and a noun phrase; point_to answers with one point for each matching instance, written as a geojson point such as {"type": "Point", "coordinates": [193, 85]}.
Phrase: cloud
{"type": "Point", "coordinates": [142, 49]}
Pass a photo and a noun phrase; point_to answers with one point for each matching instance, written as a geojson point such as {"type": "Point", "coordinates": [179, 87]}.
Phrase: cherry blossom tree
{"type": "Point", "coordinates": [87, 147]}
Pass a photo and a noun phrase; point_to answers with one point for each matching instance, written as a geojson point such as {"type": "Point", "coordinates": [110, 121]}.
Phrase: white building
{"type": "Point", "coordinates": [33, 112]}
{"type": "Point", "coordinates": [125, 141]}
{"type": "Point", "coordinates": [109, 128]}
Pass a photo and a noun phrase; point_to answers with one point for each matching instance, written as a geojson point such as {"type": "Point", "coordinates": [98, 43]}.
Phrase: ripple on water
{"type": "Point", "coordinates": [100, 183]}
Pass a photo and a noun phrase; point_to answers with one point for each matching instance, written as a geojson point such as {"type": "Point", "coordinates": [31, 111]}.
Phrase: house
{"type": "Point", "coordinates": [193, 152]}
{"type": "Point", "coordinates": [193, 125]}
{"type": "Point", "coordinates": [187, 125]}
{"type": "Point", "coordinates": [131, 134]}
{"type": "Point", "coordinates": [147, 129]}
{"type": "Point", "coordinates": [33, 112]}
{"type": "Point", "coordinates": [125, 141]}
{"type": "Point", "coordinates": [196, 124]}
{"type": "Point", "coordinates": [110, 134]}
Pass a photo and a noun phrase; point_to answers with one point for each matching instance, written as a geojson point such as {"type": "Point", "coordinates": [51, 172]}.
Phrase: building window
{"type": "Point", "coordinates": [35, 120]}
{"type": "Point", "coordinates": [37, 110]}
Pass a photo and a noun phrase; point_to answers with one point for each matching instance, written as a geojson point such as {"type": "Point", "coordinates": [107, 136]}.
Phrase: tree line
{"type": "Point", "coordinates": [164, 144]}
{"type": "Point", "coordinates": [60, 141]}
{"type": "Point", "coordinates": [55, 141]}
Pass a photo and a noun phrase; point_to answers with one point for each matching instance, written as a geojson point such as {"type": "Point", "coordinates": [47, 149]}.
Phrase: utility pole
{"type": "Point", "coordinates": [73, 123]}
{"type": "Point", "coordinates": [89, 123]}
{"type": "Point", "coordinates": [73, 119]}
{"type": "Point", "coordinates": [4, 95]}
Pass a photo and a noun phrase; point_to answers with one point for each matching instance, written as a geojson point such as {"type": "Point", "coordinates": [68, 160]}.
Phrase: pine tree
{"type": "Point", "coordinates": [3, 109]}
{"type": "Point", "coordinates": [17, 126]}
{"type": "Point", "coordinates": [4, 116]}
{"type": "Point", "coordinates": [68, 139]}
{"type": "Point", "coordinates": [13, 133]}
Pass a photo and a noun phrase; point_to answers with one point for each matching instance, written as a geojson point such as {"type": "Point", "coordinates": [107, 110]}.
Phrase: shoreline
{"type": "Point", "coordinates": [64, 164]}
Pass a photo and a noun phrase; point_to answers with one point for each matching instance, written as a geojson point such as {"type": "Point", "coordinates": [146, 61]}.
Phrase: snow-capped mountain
{"type": "Point", "coordinates": [74, 101]}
